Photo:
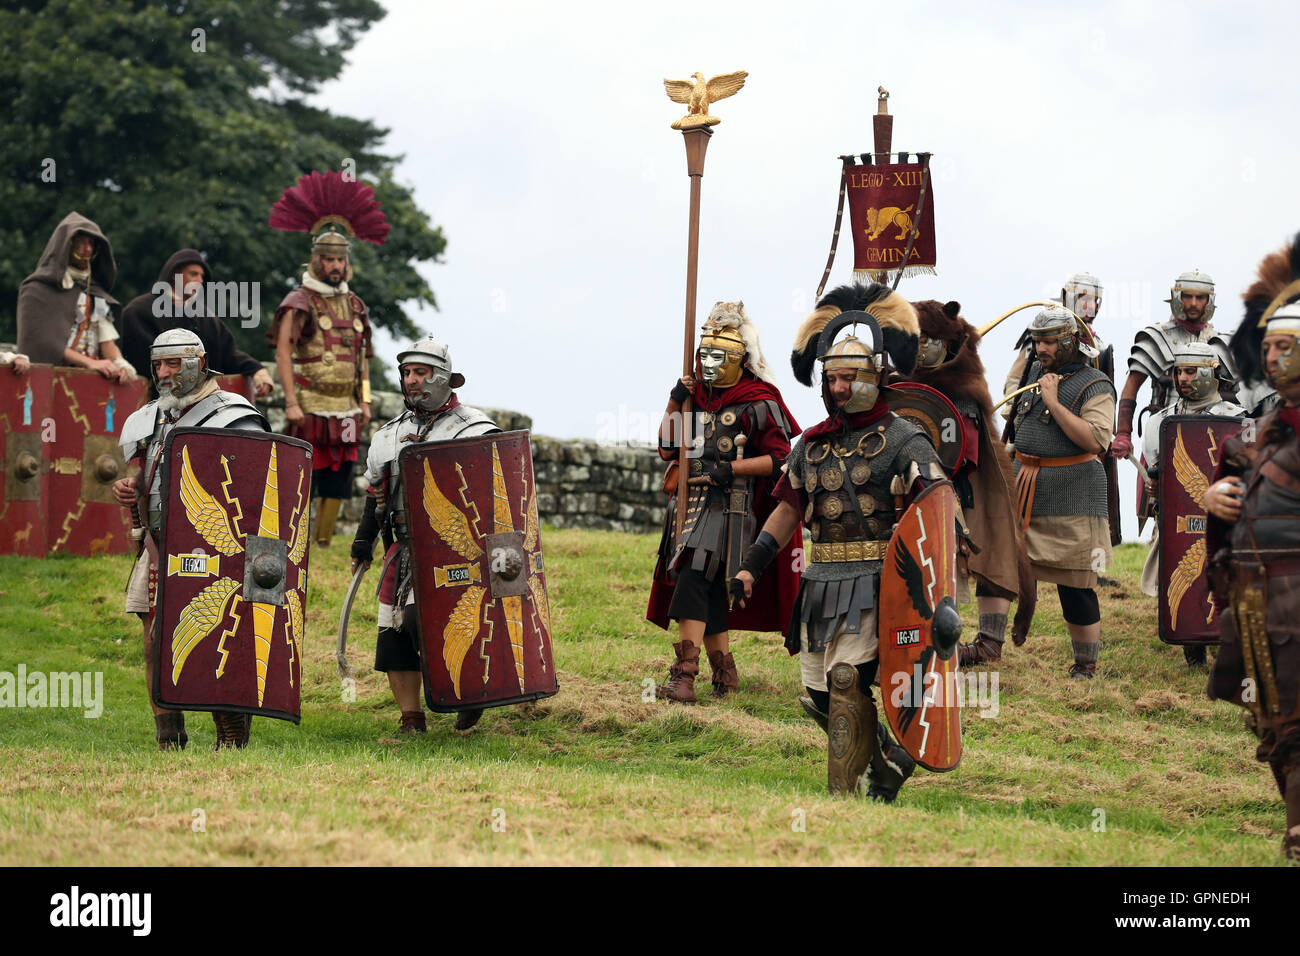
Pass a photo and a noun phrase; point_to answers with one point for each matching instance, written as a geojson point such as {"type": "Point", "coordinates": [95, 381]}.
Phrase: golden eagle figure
{"type": "Point", "coordinates": [698, 94]}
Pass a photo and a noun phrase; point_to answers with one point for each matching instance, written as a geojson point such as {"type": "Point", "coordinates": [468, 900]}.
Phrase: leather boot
{"type": "Point", "coordinates": [1085, 659]}
{"type": "Point", "coordinates": [891, 765]}
{"type": "Point", "coordinates": [1194, 654]}
{"type": "Point", "coordinates": [681, 675]}
{"type": "Point", "coordinates": [468, 718]}
{"type": "Point", "coordinates": [413, 722]}
{"type": "Point", "coordinates": [987, 646]}
{"type": "Point", "coordinates": [232, 730]}
{"type": "Point", "coordinates": [1291, 839]}
{"type": "Point", "coordinates": [725, 678]}
{"type": "Point", "coordinates": [169, 730]}
{"type": "Point", "coordinates": [852, 731]}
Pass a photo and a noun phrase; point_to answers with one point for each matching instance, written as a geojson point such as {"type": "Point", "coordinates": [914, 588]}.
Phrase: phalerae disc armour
{"type": "Point", "coordinates": [186, 346]}
{"type": "Point", "coordinates": [1194, 280]}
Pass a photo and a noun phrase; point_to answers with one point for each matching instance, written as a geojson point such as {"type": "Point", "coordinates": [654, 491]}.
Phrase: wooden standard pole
{"type": "Point", "coordinates": [697, 142]}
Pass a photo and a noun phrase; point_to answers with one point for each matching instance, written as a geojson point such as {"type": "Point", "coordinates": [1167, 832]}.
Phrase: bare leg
{"type": "Point", "coordinates": [406, 689]}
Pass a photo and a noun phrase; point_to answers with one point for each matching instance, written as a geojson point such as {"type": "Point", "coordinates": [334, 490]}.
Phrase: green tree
{"type": "Point", "coordinates": [177, 124]}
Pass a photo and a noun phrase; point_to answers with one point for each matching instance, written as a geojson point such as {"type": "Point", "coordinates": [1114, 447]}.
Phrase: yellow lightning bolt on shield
{"type": "Point", "coordinates": [268, 526]}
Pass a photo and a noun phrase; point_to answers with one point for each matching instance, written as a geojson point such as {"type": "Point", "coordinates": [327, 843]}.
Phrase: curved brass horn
{"type": "Point", "coordinates": [1020, 391]}
{"type": "Point", "coordinates": [1092, 339]}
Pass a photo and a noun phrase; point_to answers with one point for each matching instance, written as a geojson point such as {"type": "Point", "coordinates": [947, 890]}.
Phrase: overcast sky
{"type": "Point", "coordinates": [1132, 140]}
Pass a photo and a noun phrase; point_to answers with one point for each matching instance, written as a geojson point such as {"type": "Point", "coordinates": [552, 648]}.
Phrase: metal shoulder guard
{"type": "Point", "coordinates": [138, 429]}
{"type": "Point", "coordinates": [463, 421]}
{"type": "Point", "coordinates": [222, 409]}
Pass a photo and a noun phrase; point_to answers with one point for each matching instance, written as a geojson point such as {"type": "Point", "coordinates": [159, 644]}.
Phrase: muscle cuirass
{"type": "Point", "coordinates": [1078, 489]}
{"type": "Point", "coordinates": [707, 527]}
{"type": "Point", "coordinates": [327, 365]}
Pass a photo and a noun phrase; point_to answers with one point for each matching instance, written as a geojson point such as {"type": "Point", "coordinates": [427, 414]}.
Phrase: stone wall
{"type": "Point", "coordinates": [580, 482]}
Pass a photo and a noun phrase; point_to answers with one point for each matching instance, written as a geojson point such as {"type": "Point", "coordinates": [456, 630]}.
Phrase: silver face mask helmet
{"type": "Point", "coordinates": [1285, 321]}
{"type": "Point", "coordinates": [1081, 294]}
{"type": "Point", "coordinates": [186, 346]}
{"type": "Point", "coordinates": [437, 388]}
{"type": "Point", "coordinates": [1201, 357]}
{"type": "Point", "coordinates": [1193, 281]}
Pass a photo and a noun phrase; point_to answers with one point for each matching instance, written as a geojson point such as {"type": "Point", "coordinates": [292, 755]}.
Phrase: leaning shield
{"type": "Point", "coordinates": [935, 414]}
{"type": "Point", "coordinates": [26, 431]}
{"type": "Point", "coordinates": [479, 579]}
{"type": "Point", "coordinates": [1190, 449]}
{"type": "Point", "coordinates": [232, 572]}
{"type": "Point", "coordinates": [87, 412]}
{"type": "Point", "coordinates": [918, 626]}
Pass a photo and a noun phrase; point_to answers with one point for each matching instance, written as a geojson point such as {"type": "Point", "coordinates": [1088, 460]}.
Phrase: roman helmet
{"type": "Point", "coordinates": [895, 334]}
{"type": "Point", "coordinates": [1285, 321]}
{"type": "Point", "coordinates": [728, 346]}
{"type": "Point", "coordinates": [1202, 357]}
{"type": "Point", "coordinates": [1271, 304]}
{"type": "Point", "coordinates": [437, 388]}
{"type": "Point", "coordinates": [1081, 294]}
{"type": "Point", "coordinates": [1193, 280]}
{"type": "Point", "coordinates": [1055, 324]}
{"type": "Point", "coordinates": [188, 347]}
{"type": "Point", "coordinates": [322, 204]}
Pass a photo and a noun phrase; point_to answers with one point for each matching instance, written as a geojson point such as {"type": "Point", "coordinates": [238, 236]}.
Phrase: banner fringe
{"type": "Point", "coordinates": [884, 277]}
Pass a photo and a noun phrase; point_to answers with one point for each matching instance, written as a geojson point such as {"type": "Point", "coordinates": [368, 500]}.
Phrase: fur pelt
{"type": "Point", "coordinates": [898, 322]}
{"type": "Point", "coordinates": [962, 373]}
{"type": "Point", "coordinates": [731, 315]}
{"type": "Point", "coordinates": [1276, 271]}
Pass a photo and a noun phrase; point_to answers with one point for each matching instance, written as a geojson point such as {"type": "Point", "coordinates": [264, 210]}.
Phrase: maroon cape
{"type": "Point", "coordinates": [775, 591]}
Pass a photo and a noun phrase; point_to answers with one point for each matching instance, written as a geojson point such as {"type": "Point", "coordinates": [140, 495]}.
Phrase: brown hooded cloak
{"type": "Point", "coordinates": [47, 312]}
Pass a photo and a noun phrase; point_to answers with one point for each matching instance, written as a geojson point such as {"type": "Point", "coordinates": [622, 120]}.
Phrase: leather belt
{"type": "Point", "coordinates": [333, 389]}
{"type": "Point", "coordinates": [1027, 479]}
{"type": "Point", "coordinates": [832, 551]}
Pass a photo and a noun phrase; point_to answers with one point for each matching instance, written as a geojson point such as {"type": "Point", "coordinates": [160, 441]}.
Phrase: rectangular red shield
{"type": "Point", "coordinates": [884, 202]}
{"type": "Point", "coordinates": [480, 582]}
{"type": "Point", "coordinates": [1190, 446]}
{"type": "Point", "coordinates": [232, 572]}
{"type": "Point", "coordinates": [87, 411]}
{"type": "Point", "coordinates": [920, 691]}
{"type": "Point", "coordinates": [25, 430]}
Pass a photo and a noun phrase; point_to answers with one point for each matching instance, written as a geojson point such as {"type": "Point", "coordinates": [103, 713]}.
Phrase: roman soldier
{"type": "Point", "coordinates": [65, 311]}
{"type": "Point", "coordinates": [948, 361]}
{"type": "Point", "coordinates": [1060, 430]}
{"type": "Point", "coordinates": [1196, 380]}
{"type": "Point", "coordinates": [188, 396]}
{"type": "Point", "coordinates": [1191, 303]}
{"type": "Point", "coordinates": [433, 413]}
{"type": "Point", "coordinates": [321, 333]}
{"type": "Point", "coordinates": [742, 433]}
{"type": "Point", "coordinates": [1254, 539]}
{"type": "Point", "coordinates": [845, 478]}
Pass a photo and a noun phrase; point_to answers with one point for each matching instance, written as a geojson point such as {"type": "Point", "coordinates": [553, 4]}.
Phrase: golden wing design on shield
{"type": "Point", "coordinates": [204, 512]}
{"type": "Point", "coordinates": [1185, 575]}
{"type": "Point", "coordinates": [198, 618]}
{"type": "Point", "coordinates": [458, 635]}
{"type": "Point", "coordinates": [1190, 477]}
{"type": "Point", "coordinates": [448, 521]}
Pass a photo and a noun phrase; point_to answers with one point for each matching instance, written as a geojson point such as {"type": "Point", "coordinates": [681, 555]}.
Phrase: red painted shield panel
{"type": "Point", "coordinates": [1190, 446]}
{"type": "Point", "coordinates": [480, 582]}
{"type": "Point", "coordinates": [921, 692]}
{"type": "Point", "coordinates": [232, 572]}
{"type": "Point", "coordinates": [88, 411]}
{"type": "Point", "coordinates": [25, 430]}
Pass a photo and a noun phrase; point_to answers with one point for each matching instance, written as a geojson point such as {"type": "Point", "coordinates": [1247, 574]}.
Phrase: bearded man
{"type": "Point", "coordinates": [846, 477]}
{"type": "Point", "coordinates": [1060, 431]}
{"type": "Point", "coordinates": [321, 333]}
{"type": "Point", "coordinates": [433, 414]}
{"type": "Point", "coordinates": [188, 396]}
{"type": "Point", "coordinates": [1254, 539]}
{"type": "Point", "coordinates": [65, 313]}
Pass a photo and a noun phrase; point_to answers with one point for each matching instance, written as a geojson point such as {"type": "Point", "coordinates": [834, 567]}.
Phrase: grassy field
{"type": "Point", "coordinates": [595, 775]}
